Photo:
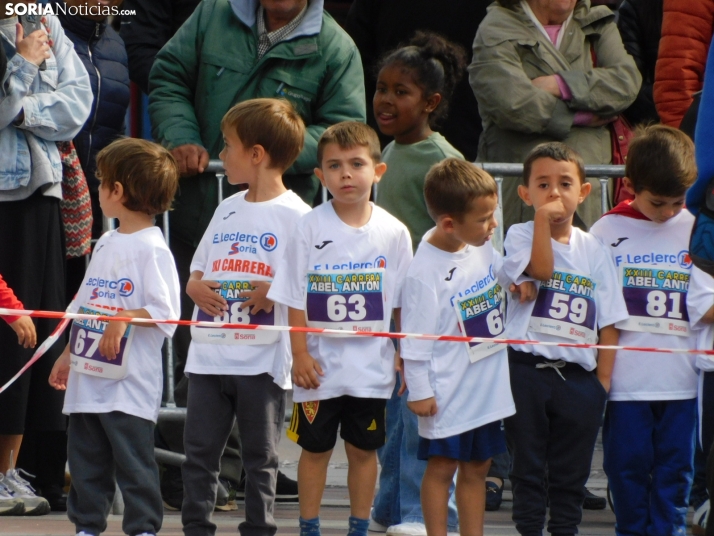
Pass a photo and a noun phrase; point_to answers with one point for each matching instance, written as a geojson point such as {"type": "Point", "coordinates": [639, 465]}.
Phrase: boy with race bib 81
{"type": "Point", "coordinates": [559, 400]}
{"type": "Point", "coordinates": [459, 391]}
{"type": "Point", "coordinates": [651, 412]}
{"type": "Point", "coordinates": [112, 371]}
{"type": "Point", "coordinates": [343, 269]}
{"type": "Point", "coordinates": [233, 373]}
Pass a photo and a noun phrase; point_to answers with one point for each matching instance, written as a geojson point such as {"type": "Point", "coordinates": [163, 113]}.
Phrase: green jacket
{"type": "Point", "coordinates": [509, 51]}
{"type": "Point", "coordinates": [211, 64]}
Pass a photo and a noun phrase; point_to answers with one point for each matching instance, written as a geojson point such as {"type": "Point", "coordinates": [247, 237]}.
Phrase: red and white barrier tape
{"type": "Point", "coordinates": [321, 331]}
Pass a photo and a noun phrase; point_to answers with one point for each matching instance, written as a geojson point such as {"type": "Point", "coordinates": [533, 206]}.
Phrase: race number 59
{"type": "Point", "coordinates": [562, 306]}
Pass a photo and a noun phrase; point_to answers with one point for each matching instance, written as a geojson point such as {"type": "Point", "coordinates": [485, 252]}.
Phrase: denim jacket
{"type": "Point", "coordinates": [56, 103]}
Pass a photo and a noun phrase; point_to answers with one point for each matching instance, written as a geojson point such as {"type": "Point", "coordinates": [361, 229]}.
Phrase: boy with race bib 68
{"type": "Point", "coordinates": [559, 400]}
{"type": "Point", "coordinates": [233, 373]}
{"type": "Point", "coordinates": [343, 269]}
{"type": "Point", "coordinates": [651, 412]}
{"type": "Point", "coordinates": [112, 371]}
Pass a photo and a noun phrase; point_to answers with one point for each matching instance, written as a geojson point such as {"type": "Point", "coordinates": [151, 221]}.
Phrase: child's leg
{"type": "Point", "coordinates": [260, 409]}
{"type": "Point", "coordinates": [575, 410]}
{"type": "Point", "coordinates": [92, 466]}
{"type": "Point", "coordinates": [673, 471]}
{"type": "Point", "coordinates": [209, 421]}
{"type": "Point", "coordinates": [132, 440]}
{"type": "Point", "coordinates": [312, 475]}
{"type": "Point", "coordinates": [435, 486]}
{"type": "Point", "coordinates": [361, 479]}
{"type": "Point", "coordinates": [627, 438]}
{"type": "Point", "coordinates": [471, 496]}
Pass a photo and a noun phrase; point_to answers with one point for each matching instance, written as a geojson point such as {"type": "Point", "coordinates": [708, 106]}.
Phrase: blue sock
{"type": "Point", "coordinates": [358, 526]}
{"type": "Point", "coordinates": [310, 527]}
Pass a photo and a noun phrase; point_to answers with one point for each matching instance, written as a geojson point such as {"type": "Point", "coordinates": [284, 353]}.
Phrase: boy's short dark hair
{"type": "Point", "coordinates": [452, 185]}
{"type": "Point", "coordinates": [273, 124]}
{"type": "Point", "coordinates": [661, 161]}
{"type": "Point", "coordinates": [557, 151]}
{"type": "Point", "coordinates": [348, 134]}
{"type": "Point", "coordinates": [148, 173]}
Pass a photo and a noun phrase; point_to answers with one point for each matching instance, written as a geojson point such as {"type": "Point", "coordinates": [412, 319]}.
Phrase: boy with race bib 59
{"type": "Point", "coordinates": [343, 269]}
{"type": "Point", "coordinates": [651, 412]}
{"type": "Point", "coordinates": [459, 391]}
{"type": "Point", "coordinates": [233, 373]}
{"type": "Point", "coordinates": [112, 371]}
{"type": "Point", "coordinates": [559, 400]}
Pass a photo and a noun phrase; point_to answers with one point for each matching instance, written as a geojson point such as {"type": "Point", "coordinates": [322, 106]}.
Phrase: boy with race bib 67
{"type": "Point", "coordinates": [234, 373]}
{"type": "Point", "coordinates": [112, 371]}
{"type": "Point", "coordinates": [343, 269]}
{"type": "Point", "coordinates": [651, 412]}
{"type": "Point", "coordinates": [559, 400]}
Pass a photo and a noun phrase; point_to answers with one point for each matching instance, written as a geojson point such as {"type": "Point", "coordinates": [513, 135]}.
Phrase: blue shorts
{"type": "Point", "coordinates": [478, 444]}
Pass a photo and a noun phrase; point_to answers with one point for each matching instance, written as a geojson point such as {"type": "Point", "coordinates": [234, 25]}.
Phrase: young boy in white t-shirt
{"type": "Point", "coordinates": [651, 412]}
{"type": "Point", "coordinates": [242, 374]}
{"type": "Point", "coordinates": [343, 269]}
{"type": "Point", "coordinates": [112, 371]}
{"type": "Point", "coordinates": [559, 400]}
{"type": "Point", "coordinates": [460, 391]}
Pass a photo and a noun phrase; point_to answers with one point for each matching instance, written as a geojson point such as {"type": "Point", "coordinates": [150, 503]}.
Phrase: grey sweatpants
{"type": "Point", "coordinates": [214, 402]}
{"type": "Point", "coordinates": [105, 446]}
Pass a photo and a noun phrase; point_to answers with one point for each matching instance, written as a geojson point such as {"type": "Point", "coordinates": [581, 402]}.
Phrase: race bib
{"type": "Point", "coordinates": [481, 315]}
{"type": "Point", "coordinates": [565, 307]}
{"type": "Point", "coordinates": [235, 314]}
{"type": "Point", "coordinates": [656, 300]}
{"type": "Point", "coordinates": [347, 300]}
{"type": "Point", "coordinates": [84, 347]}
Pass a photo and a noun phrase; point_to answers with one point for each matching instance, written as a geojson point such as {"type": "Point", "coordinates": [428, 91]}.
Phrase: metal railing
{"type": "Point", "coordinates": [499, 171]}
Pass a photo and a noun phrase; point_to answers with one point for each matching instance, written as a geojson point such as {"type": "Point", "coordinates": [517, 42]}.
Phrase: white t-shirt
{"type": "Point", "coordinates": [128, 271]}
{"type": "Point", "coordinates": [582, 296]}
{"type": "Point", "coordinates": [653, 269]}
{"type": "Point", "coordinates": [452, 294]}
{"type": "Point", "coordinates": [244, 243]}
{"type": "Point", "coordinates": [699, 300]}
{"type": "Point", "coordinates": [346, 278]}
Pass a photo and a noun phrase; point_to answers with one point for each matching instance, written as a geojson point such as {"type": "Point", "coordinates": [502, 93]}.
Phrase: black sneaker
{"type": "Point", "coordinates": [56, 496]}
{"type": "Point", "coordinates": [286, 489]}
{"type": "Point", "coordinates": [593, 502]}
{"type": "Point", "coordinates": [494, 496]}
{"type": "Point", "coordinates": [172, 488]}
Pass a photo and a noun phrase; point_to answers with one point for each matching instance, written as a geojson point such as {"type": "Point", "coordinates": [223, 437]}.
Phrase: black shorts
{"type": "Point", "coordinates": [361, 422]}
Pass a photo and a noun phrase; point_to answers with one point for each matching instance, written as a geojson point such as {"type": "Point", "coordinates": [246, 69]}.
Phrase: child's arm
{"type": "Point", "coordinates": [708, 317]}
{"type": "Point", "coordinates": [305, 367]}
{"type": "Point", "coordinates": [609, 335]}
{"type": "Point", "coordinates": [398, 361]}
{"type": "Point", "coordinates": [419, 373]}
{"type": "Point", "coordinates": [60, 371]}
{"type": "Point", "coordinates": [201, 292]}
{"type": "Point", "coordinates": [110, 343]}
{"type": "Point", "coordinates": [542, 264]}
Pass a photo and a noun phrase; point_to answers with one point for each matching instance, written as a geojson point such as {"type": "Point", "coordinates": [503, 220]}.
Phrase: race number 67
{"type": "Point", "coordinates": [576, 309]}
{"type": "Point", "coordinates": [79, 343]}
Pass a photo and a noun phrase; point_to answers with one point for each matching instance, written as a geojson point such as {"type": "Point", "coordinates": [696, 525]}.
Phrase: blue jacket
{"type": "Point", "coordinates": [103, 54]}
{"type": "Point", "coordinates": [55, 104]}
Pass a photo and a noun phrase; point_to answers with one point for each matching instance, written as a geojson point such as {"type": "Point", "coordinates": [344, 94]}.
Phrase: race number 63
{"type": "Point", "coordinates": [339, 308]}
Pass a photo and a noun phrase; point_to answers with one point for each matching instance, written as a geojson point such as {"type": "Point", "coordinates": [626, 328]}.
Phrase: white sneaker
{"type": "Point", "coordinates": [407, 529]}
{"type": "Point", "coordinates": [9, 504]}
{"type": "Point", "coordinates": [82, 533]}
{"type": "Point", "coordinates": [21, 489]}
{"type": "Point", "coordinates": [699, 521]}
{"type": "Point", "coordinates": [376, 527]}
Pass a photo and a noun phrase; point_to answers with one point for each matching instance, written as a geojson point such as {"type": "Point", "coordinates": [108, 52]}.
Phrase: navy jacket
{"type": "Point", "coordinates": [102, 51]}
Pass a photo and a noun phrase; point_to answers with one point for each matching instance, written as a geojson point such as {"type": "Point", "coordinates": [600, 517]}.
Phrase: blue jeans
{"type": "Point", "coordinates": [648, 452]}
{"type": "Point", "coordinates": [399, 497]}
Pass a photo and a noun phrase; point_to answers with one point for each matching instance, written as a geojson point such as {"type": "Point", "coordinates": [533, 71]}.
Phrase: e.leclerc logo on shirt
{"type": "Point", "coordinates": [268, 241]}
{"type": "Point", "coordinates": [685, 261]}
{"type": "Point", "coordinates": [380, 262]}
{"type": "Point", "coordinates": [105, 288]}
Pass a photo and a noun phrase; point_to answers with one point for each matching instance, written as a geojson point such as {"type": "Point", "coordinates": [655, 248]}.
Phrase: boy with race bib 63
{"type": "Point", "coordinates": [112, 371]}
{"type": "Point", "coordinates": [343, 269]}
{"type": "Point", "coordinates": [651, 412]}
{"type": "Point", "coordinates": [559, 400]}
{"type": "Point", "coordinates": [234, 373]}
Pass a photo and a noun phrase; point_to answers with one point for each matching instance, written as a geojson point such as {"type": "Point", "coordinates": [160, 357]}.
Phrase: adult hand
{"type": "Point", "coordinates": [35, 47]}
{"type": "Point", "coordinates": [192, 159]}
{"type": "Point", "coordinates": [25, 330]}
{"type": "Point", "coordinates": [548, 84]}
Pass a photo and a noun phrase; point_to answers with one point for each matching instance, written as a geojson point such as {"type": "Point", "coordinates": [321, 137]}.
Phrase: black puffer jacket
{"type": "Point", "coordinates": [104, 56]}
{"type": "Point", "coordinates": [640, 24]}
